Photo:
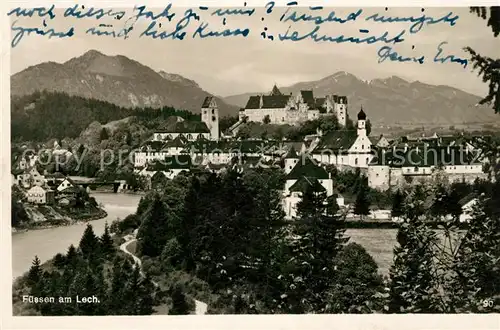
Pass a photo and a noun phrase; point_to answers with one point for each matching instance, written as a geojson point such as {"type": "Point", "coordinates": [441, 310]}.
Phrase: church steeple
{"type": "Point", "coordinates": [275, 91]}
{"type": "Point", "coordinates": [361, 114]}
{"type": "Point", "coordinates": [361, 123]}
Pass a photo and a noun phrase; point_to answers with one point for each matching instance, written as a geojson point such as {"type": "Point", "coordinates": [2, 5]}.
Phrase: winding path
{"type": "Point", "coordinates": [201, 307]}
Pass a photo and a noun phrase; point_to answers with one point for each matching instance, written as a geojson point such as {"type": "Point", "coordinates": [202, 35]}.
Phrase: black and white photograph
{"type": "Point", "coordinates": [266, 158]}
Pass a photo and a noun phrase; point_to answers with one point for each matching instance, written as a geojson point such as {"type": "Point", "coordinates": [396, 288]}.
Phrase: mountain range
{"type": "Point", "coordinates": [128, 83]}
{"type": "Point", "coordinates": [394, 100]}
{"type": "Point", "coordinates": [115, 79]}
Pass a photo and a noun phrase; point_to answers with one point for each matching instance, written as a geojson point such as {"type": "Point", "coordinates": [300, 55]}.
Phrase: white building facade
{"type": "Point", "coordinates": [346, 148]}
{"type": "Point", "coordinates": [278, 108]}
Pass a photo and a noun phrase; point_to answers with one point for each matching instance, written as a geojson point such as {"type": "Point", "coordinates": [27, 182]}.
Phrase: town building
{"type": "Point", "coordinates": [345, 148]}
{"type": "Point", "coordinates": [170, 166]}
{"type": "Point", "coordinates": [305, 173]}
{"type": "Point", "coordinates": [210, 116]}
{"type": "Point", "coordinates": [40, 195]}
{"type": "Point", "coordinates": [188, 130]}
{"type": "Point", "coordinates": [66, 183]}
{"type": "Point", "coordinates": [379, 142]}
{"type": "Point", "coordinates": [173, 139]}
{"type": "Point", "coordinates": [29, 177]}
{"type": "Point", "coordinates": [396, 167]}
{"type": "Point", "coordinates": [54, 179]}
{"type": "Point", "coordinates": [278, 108]}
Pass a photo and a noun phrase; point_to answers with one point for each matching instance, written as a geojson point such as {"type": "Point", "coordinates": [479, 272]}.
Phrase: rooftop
{"type": "Point", "coordinates": [306, 167]}
{"type": "Point", "coordinates": [305, 183]}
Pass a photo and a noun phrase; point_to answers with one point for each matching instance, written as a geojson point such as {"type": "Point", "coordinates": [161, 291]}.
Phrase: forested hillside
{"type": "Point", "coordinates": [45, 115]}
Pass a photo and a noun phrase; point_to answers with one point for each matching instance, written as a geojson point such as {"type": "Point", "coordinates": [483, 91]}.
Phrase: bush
{"type": "Point", "coordinates": [151, 266]}
{"type": "Point", "coordinates": [127, 225]}
{"type": "Point", "coordinates": [170, 254]}
{"type": "Point", "coordinates": [357, 281]}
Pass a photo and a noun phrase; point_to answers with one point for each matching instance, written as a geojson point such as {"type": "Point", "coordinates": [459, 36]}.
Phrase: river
{"type": "Point", "coordinates": [45, 243]}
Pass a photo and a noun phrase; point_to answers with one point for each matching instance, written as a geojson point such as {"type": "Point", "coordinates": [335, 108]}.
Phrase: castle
{"type": "Point", "coordinates": [278, 108]}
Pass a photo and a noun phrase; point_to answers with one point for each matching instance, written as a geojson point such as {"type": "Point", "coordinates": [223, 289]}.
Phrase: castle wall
{"type": "Point", "coordinates": [379, 177]}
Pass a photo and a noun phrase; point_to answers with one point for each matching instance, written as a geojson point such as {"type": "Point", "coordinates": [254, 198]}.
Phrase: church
{"type": "Point", "coordinates": [346, 149]}
{"type": "Point", "coordinates": [278, 108]}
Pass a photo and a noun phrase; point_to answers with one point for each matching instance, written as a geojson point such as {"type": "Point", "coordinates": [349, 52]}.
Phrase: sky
{"type": "Point", "coordinates": [233, 65]}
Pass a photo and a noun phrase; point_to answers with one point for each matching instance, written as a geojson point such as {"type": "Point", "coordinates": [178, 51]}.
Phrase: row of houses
{"type": "Point", "coordinates": [45, 189]}
{"type": "Point", "coordinates": [407, 160]}
{"type": "Point", "coordinates": [386, 163]}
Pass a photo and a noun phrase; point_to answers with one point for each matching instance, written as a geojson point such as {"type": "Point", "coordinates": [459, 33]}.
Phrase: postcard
{"type": "Point", "coordinates": [252, 161]}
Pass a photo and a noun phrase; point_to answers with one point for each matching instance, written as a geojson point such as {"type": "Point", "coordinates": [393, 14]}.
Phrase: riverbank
{"type": "Point", "coordinates": [59, 221]}
{"type": "Point", "coordinates": [47, 242]}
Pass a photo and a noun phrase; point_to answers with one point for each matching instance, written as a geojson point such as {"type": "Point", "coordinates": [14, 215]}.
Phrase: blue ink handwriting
{"type": "Point", "coordinates": [270, 6]}
{"type": "Point", "coordinates": [296, 17]}
{"type": "Point", "coordinates": [177, 34]}
{"type": "Point", "coordinates": [294, 36]}
{"type": "Point", "coordinates": [99, 31]}
{"type": "Point", "coordinates": [152, 32]}
{"type": "Point", "coordinates": [96, 13]}
{"type": "Point", "coordinates": [387, 52]}
{"type": "Point", "coordinates": [265, 35]}
{"type": "Point", "coordinates": [149, 14]}
{"type": "Point", "coordinates": [20, 32]}
{"type": "Point", "coordinates": [222, 12]}
{"type": "Point", "coordinates": [200, 32]}
{"type": "Point", "coordinates": [29, 12]}
{"type": "Point", "coordinates": [450, 58]}
{"type": "Point", "coordinates": [418, 21]}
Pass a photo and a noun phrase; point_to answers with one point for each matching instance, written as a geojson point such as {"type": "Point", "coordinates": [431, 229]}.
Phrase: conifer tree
{"type": "Point", "coordinates": [89, 243]}
{"type": "Point", "coordinates": [362, 204]}
{"type": "Point", "coordinates": [71, 255]}
{"type": "Point", "coordinates": [488, 68]}
{"type": "Point", "coordinates": [453, 204]}
{"type": "Point", "coordinates": [119, 280]}
{"type": "Point", "coordinates": [397, 204]}
{"type": "Point", "coordinates": [132, 293]}
{"type": "Point", "coordinates": [318, 239]}
{"type": "Point", "coordinates": [128, 138]}
{"type": "Point", "coordinates": [35, 272]}
{"type": "Point", "coordinates": [147, 297]}
{"type": "Point", "coordinates": [106, 241]}
{"type": "Point", "coordinates": [356, 281]}
{"type": "Point", "coordinates": [104, 134]}
{"type": "Point", "coordinates": [413, 287]}
{"type": "Point", "coordinates": [59, 261]}
{"type": "Point", "coordinates": [440, 205]}
{"type": "Point", "coordinates": [179, 303]}
{"type": "Point", "coordinates": [153, 232]}
{"type": "Point", "coordinates": [477, 262]}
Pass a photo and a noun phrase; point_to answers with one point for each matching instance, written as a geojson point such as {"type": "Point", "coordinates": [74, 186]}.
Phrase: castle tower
{"type": "Point", "coordinates": [291, 159]}
{"type": "Point", "coordinates": [210, 116]}
{"type": "Point", "coordinates": [361, 123]}
{"type": "Point", "coordinates": [340, 108]}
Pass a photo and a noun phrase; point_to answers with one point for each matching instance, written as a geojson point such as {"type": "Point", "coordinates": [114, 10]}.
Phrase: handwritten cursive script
{"type": "Point", "coordinates": [19, 32]}
{"type": "Point", "coordinates": [295, 24]}
{"type": "Point", "coordinates": [387, 52]}
{"type": "Point", "coordinates": [418, 22]}
{"type": "Point", "coordinates": [313, 35]}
